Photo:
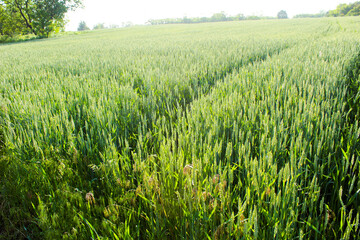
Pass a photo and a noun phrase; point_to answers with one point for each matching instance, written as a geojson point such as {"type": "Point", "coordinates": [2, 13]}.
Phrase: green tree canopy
{"type": "Point", "coordinates": [351, 9]}
{"type": "Point", "coordinates": [311, 15]}
{"type": "Point", "coordinates": [10, 21]}
{"type": "Point", "coordinates": [83, 26]}
{"type": "Point", "coordinates": [99, 26]}
{"type": "Point", "coordinates": [282, 14]}
{"type": "Point", "coordinates": [219, 17]}
{"type": "Point", "coordinates": [40, 17]}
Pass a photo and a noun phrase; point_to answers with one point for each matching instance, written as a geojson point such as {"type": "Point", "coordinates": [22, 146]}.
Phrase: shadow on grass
{"type": "Point", "coordinates": [6, 40]}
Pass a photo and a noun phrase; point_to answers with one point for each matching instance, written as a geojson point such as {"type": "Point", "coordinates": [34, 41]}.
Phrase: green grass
{"type": "Point", "coordinates": [238, 130]}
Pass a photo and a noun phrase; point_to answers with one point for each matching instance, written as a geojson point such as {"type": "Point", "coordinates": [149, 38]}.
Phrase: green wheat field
{"type": "Point", "coordinates": [234, 130]}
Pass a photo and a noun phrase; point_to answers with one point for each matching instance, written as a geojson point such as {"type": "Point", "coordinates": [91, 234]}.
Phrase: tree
{"type": "Point", "coordinates": [127, 24]}
{"type": "Point", "coordinates": [83, 26]}
{"type": "Point", "coordinates": [186, 20]}
{"type": "Point", "coordinates": [219, 17]}
{"type": "Point", "coordinates": [99, 26]}
{"type": "Point", "coordinates": [112, 26]}
{"type": "Point", "coordinates": [10, 22]}
{"type": "Point", "coordinates": [253, 18]}
{"type": "Point", "coordinates": [310, 15]}
{"type": "Point", "coordinates": [352, 9]}
{"type": "Point", "coordinates": [355, 11]}
{"type": "Point", "coordinates": [240, 16]}
{"type": "Point", "coordinates": [282, 15]}
{"type": "Point", "coordinates": [42, 17]}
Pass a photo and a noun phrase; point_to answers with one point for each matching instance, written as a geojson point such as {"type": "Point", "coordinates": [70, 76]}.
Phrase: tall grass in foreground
{"type": "Point", "coordinates": [223, 131]}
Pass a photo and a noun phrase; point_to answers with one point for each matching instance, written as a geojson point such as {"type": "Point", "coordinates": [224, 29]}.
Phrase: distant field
{"type": "Point", "coordinates": [236, 130]}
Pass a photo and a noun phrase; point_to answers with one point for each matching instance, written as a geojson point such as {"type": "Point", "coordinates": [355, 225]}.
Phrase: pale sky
{"type": "Point", "coordinates": [140, 11]}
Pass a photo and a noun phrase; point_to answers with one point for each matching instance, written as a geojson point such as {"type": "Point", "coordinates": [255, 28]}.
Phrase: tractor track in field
{"type": "Point", "coordinates": [210, 80]}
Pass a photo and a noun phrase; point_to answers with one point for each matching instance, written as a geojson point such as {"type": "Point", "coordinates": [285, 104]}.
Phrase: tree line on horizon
{"type": "Point", "coordinates": [351, 9]}
{"type": "Point", "coordinates": [217, 17]}
{"type": "Point", "coordinates": [84, 27]}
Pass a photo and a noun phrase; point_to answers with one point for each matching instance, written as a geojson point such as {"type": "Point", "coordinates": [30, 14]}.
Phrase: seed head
{"type": "Point", "coordinates": [90, 198]}
{"type": "Point", "coordinates": [187, 169]}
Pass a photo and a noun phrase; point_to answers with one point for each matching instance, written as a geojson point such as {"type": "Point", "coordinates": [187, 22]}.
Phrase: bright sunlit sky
{"type": "Point", "coordinates": [140, 11]}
